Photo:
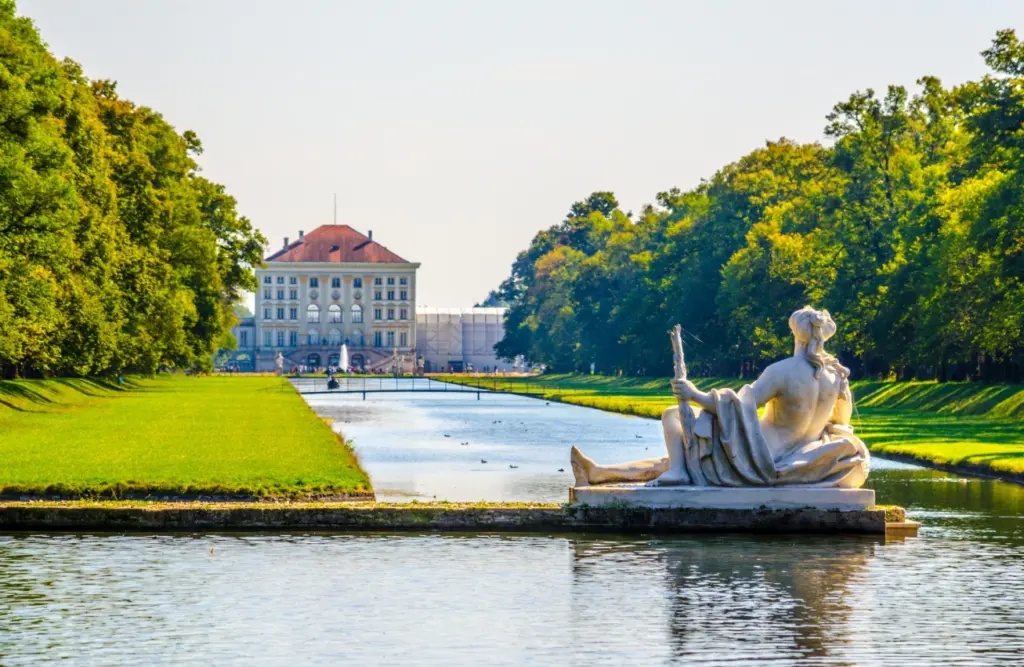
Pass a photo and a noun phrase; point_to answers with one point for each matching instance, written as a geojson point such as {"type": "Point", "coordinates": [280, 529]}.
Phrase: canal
{"type": "Point", "coordinates": [951, 596]}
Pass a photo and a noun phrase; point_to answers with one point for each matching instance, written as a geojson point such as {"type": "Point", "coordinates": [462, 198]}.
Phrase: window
{"type": "Point", "coordinates": [293, 338]}
{"type": "Point", "coordinates": [403, 281]}
{"type": "Point", "coordinates": [391, 339]}
{"type": "Point", "coordinates": [280, 294]}
{"type": "Point", "coordinates": [293, 294]}
{"type": "Point", "coordinates": [376, 281]}
{"type": "Point", "coordinates": [280, 280]}
{"type": "Point", "coordinates": [391, 313]}
{"type": "Point", "coordinates": [334, 313]}
{"type": "Point", "coordinates": [314, 282]}
{"type": "Point", "coordinates": [357, 314]}
{"type": "Point", "coordinates": [335, 282]}
{"type": "Point", "coordinates": [313, 314]}
{"type": "Point", "coordinates": [334, 337]}
{"type": "Point", "coordinates": [266, 316]}
{"type": "Point", "coordinates": [403, 339]}
{"type": "Point", "coordinates": [357, 337]}
{"type": "Point", "coordinates": [267, 280]}
{"type": "Point", "coordinates": [377, 294]}
{"type": "Point", "coordinates": [292, 280]}
{"type": "Point", "coordinates": [391, 281]}
{"type": "Point", "coordinates": [280, 339]}
{"type": "Point", "coordinates": [357, 283]}
{"type": "Point", "coordinates": [267, 339]}
{"type": "Point", "coordinates": [378, 339]}
{"type": "Point", "coordinates": [293, 314]}
{"type": "Point", "coordinates": [243, 339]}
{"type": "Point", "coordinates": [313, 336]}
{"type": "Point", "coordinates": [391, 295]}
{"type": "Point", "coordinates": [280, 313]}
{"type": "Point", "coordinates": [403, 295]}
{"type": "Point", "coordinates": [403, 313]}
{"type": "Point", "coordinates": [378, 314]}
{"type": "Point", "coordinates": [266, 294]}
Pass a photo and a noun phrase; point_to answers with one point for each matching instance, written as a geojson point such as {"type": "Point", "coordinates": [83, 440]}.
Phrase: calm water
{"type": "Point", "coordinates": [952, 596]}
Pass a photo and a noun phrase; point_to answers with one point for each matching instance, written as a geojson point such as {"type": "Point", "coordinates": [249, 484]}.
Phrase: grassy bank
{"type": "Point", "coordinates": [169, 436]}
{"type": "Point", "coordinates": [966, 426]}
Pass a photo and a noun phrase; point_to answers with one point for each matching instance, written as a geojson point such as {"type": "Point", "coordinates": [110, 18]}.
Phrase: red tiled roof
{"type": "Point", "coordinates": [335, 243]}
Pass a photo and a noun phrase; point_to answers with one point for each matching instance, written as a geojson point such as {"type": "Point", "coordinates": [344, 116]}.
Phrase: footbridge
{"type": "Point", "coordinates": [406, 385]}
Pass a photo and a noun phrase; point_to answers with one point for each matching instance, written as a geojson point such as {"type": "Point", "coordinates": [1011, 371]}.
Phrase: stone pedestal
{"type": "Point", "coordinates": [716, 497]}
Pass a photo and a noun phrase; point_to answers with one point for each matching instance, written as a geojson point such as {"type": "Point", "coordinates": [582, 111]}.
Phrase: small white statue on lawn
{"type": "Point", "coordinates": [803, 438]}
{"type": "Point", "coordinates": [279, 363]}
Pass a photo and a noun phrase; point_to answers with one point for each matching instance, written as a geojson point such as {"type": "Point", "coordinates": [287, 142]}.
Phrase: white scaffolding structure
{"type": "Point", "coordinates": [454, 338]}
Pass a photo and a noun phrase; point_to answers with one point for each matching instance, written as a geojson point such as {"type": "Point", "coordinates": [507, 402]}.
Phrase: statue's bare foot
{"type": "Point", "coordinates": [581, 466]}
{"type": "Point", "coordinates": [670, 478]}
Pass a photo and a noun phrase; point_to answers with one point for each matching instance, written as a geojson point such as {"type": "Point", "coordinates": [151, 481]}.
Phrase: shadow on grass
{"type": "Point", "coordinates": [52, 393]}
{"type": "Point", "coordinates": [966, 398]}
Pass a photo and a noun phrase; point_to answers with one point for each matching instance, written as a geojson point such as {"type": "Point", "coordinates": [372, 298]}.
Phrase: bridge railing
{"type": "Point", "coordinates": [392, 384]}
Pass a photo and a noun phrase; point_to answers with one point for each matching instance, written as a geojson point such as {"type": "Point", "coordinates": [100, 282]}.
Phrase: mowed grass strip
{"type": "Point", "coordinates": [169, 436]}
{"type": "Point", "coordinates": [966, 424]}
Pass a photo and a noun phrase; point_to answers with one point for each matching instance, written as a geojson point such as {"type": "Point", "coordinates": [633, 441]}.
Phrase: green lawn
{"type": "Point", "coordinates": [956, 423]}
{"type": "Point", "coordinates": [169, 435]}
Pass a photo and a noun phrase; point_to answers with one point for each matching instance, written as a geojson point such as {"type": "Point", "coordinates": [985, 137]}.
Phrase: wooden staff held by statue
{"type": "Point", "coordinates": [679, 362]}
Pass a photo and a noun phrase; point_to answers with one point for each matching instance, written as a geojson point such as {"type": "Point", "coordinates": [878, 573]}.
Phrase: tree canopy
{"type": "Point", "coordinates": [908, 226]}
{"type": "Point", "coordinates": [115, 254]}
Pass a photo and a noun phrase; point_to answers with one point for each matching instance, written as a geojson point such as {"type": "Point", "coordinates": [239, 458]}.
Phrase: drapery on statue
{"type": "Point", "coordinates": [804, 437]}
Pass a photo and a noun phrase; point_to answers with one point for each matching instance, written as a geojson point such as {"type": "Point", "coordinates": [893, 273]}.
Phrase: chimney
{"type": "Point", "coordinates": [286, 243]}
{"type": "Point", "coordinates": [300, 234]}
{"type": "Point", "coordinates": [369, 234]}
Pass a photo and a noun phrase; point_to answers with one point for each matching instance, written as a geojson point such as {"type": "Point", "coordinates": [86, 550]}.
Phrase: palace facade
{"type": "Point", "coordinates": [336, 285]}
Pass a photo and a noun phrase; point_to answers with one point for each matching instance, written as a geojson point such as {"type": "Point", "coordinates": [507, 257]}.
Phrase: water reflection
{"type": "Point", "coordinates": [742, 597]}
{"type": "Point", "coordinates": [469, 600]}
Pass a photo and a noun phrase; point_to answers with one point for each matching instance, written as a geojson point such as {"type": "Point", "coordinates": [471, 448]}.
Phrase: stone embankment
{"type": "Point", "coordinates": [498, 517]}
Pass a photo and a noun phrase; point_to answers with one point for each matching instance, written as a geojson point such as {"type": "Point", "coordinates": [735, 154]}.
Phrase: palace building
{"type": "Point", "coordinates": [335, 285]}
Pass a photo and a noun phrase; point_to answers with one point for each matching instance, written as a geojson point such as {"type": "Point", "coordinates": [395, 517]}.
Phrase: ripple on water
{"type": "Point", "coordinates": [434, 600]}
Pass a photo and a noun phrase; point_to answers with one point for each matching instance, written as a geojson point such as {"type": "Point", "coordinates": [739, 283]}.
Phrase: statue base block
{"type": "Point", "coordinates": [716, 497]}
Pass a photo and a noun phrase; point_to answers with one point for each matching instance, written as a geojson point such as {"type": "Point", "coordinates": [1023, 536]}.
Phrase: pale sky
{"type": "Point", "coordinates": [457, 130]}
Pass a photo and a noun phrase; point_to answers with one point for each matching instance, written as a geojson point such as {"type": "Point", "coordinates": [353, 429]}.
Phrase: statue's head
{"type": "Point", "coordinates": [812, 328]}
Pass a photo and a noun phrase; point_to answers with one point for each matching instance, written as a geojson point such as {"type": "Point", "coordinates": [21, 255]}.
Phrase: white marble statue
{"type": "Point", "coordinates": [803, 438]}
{"type": "Point", "coordinates": [279, 363]}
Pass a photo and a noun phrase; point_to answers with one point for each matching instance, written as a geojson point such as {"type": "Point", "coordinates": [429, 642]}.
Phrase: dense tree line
{"type": "Point", "coordinates": [115, 254]}
{"type": "Point", "coordinates": [908, 227]}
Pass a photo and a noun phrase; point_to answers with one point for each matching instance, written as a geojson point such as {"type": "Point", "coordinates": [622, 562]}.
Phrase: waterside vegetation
{"type": "Point", "coordinates": [908, 226]}
{"type": "Point", "coordinates": [115, 253]}
{"type": "Point", "coordinates": [966, 426]}
{"type": "Point", "coordinates": [170, 436]}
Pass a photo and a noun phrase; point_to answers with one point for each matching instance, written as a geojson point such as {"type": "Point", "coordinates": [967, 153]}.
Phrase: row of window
{"type": "Point", "coordinates": [380, 338]}
{"type": "Point", "coordinates": [335, 282]}
{"type": "Point", "coordinates": [378, 313]}
{"type": "Point", "coordinates": [334, 315]}
{"type": "Point", "coordinates": [402, 295]}
{"type": "Point", "coordinates": [313, 314]}
{"type": "Point", "coordinates": [268, 294]}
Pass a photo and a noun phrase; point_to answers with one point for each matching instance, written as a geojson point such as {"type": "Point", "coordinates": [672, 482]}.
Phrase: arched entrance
{"type": "Point", "coordinates": [358, 363]}
{"type": "Point", "coordinates": [313, 359]}
{"type": "Point", "coordinates": [332, 359]}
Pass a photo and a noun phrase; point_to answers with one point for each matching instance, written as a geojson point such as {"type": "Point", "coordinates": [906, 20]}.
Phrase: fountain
{"type": "Point", "coordinates": [343, 359]}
